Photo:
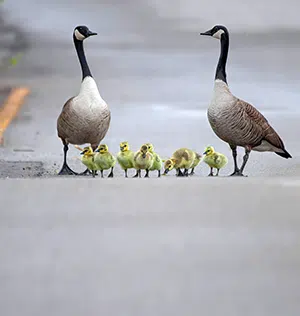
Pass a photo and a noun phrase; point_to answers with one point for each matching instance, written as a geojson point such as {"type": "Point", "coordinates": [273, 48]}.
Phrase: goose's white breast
{"type": "Point", "coordinates": [89, 98]}
{"type": "Point", "coordinates": [221, 98]}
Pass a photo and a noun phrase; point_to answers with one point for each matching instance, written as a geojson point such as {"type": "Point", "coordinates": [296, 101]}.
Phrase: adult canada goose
{"type": "Point", "coordinates": [235, 121]}
{"type": "Point", "coordinates": [85, 118]}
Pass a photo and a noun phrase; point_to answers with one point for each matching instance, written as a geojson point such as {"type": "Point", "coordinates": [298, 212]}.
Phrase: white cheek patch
{"type": "Point", "coordinates": [79, 36]}
{"type": "Point", "coordinates": [218, 34]}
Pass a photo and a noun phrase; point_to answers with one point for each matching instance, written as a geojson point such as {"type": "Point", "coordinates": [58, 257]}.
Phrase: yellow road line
{"type": "Point", "coordinates": [11, 107]}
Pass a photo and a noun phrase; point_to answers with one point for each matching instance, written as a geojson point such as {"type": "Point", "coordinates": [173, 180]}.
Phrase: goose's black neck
{"type": "Point", "coordinates": [221, 67]}
{"type": "Point", "coordinates": [82, 59]}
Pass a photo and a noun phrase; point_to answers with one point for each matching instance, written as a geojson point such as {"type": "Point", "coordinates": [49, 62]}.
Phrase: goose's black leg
{"type": "Point", "coordinates": [217, 172]}
{"type": "Point", "coordinates": [245, 159]}
{"type": "Point", "coordinates": [236, 171]}
{"type": "Point", "coordinates": [126, 176]}
{"type": "Point", "coordinates": [93, 173]}
{"type": "Point", "coordinates": [66, 170]}
{"type": "Point", "coordinates": [186, 172]}
{"type": "Point", "coordinates": [192, 172]}
{"type": "Point", "coordinates": [111, 174]}
{"type": "Point", "coordinates": [158, 175]}
{"type": "Point", "coordinates": [147, 174]}
{"type": "Point", "coordinates": [101, 173]}
{"type": "Point", "coordinates": [211, 174]}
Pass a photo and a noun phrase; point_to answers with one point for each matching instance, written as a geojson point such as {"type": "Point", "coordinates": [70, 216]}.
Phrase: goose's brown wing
{"type": "Point", "coordinates": [62, 121]}
{"type": "Point", "coordinates": [260, 126]}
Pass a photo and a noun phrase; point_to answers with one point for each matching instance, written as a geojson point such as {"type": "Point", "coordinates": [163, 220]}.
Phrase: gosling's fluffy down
{"type": "Point", "coordinates": [87, 159]}
{"type": "Point", "coordinates": [104, 160]}
{"type": "Point", "coordinates": [143, 160]}
{"type": "Point", "coordinates": [125, 157]}
{"type": "Point", "coordinates": [195, 163]}
{"type": "Point", "coordinates": [182, 158]}
{"type": "Point", "coordinates": [214, 159]}
{"type": "Point", "coordinates": [157, 161]}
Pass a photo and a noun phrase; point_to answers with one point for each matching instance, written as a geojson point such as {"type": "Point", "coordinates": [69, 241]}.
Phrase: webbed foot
{"type": "Point", "coordinates": [237, 173]}
{"type": "Point", "coordinates": [86, 172]}
{"type": "Point", "coordinates": [67, 171]}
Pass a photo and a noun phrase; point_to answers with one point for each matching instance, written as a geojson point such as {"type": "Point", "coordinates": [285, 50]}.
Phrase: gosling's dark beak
{"type": "Point", "coordinates": [207, 33]}
{"type": "Point", "coordinates": [96, 150]}
{"type": "Point", "coordinates": [82, 152]}
{"type": "Point", "coordinates": [144, 155]}
{"type": "Point", "coordinates": [122, 148]}
{"type": "Point", "coordinates": [205, 153]}
{"type": "Point", "coordinates": [90, 33]}
{"type": "Point", "coordinates": [166, 171]}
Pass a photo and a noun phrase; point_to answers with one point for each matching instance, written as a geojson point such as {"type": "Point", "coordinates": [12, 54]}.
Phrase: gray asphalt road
{"type": "Point", "coordinates": [147, 246]}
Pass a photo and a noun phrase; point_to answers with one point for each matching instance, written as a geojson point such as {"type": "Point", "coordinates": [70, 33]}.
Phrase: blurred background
{"type": "Point", "coordinates": [154, 70]}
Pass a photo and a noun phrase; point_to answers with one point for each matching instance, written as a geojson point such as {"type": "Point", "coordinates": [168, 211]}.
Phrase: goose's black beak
{"type": "Point", "coordinates": [166, 171]}
{"type": "Point", "coordinates": [96, 150]}
{"type": "Point", "coordinates": [205, 153]}
{"type": "Point", "coordinates": [92, 33]}
{"type": "Point", "coordinates": [207, 33]}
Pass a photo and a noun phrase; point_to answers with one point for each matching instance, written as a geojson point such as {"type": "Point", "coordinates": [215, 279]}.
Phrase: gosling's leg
{"type": "Point", "coordinates": [126, 176]}
{"type": "Point", "coordinates": [111, 174]}
{"type": "Point", "coordinates": [211, 174]}
{"type": "Point", "coordinates": [147, 174]}
{"type": "Point", "coordinates": [192, 172]}
{"type": "Point", "coordinates": [137, 174]}
{"type": "Point", "coordinates": [186, 172]}
{"type": "Point", "coordinates": [217, 172]}
{"type": "Point", "coordinates": [236, 171]}
{"type": "Point", "coordinates": [179, 173]}
{"type": "Point", "coordinates": [93, 173]}
{"type": "Point", "coordinates": [140, 173]}
{"type": "Point", "coordinates": [66, 170]}
{"type": "Point", "coordinates": [158, 175]}
{"type": "Point", "coordinates": [101, 173]}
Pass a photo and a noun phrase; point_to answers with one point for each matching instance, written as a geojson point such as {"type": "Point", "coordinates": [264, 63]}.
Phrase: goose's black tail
{"type": "Point", "coordinates": [285, 154]}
